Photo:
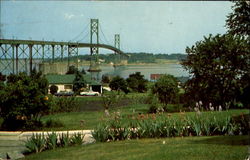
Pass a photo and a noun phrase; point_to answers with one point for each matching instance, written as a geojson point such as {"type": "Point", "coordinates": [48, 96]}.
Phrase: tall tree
{"type": "Point", "coordinates": [118, 84]}
{"type": "Point", "coordinates": [137, 82]}
{"type": "Point", "coordinates": [79, 82]}
{"type": "Point", "coordinates": [217, 65]}
{"type": "Point", "coordinates": [238, 22]}
{"type": "Point", "coordinates": [166, 89]}
{"type": "Point", "coordinates": [72, 70]}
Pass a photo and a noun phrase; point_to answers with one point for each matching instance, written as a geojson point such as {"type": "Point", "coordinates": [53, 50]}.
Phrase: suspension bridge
{"type": "Point", "coordinates": [24, 55]}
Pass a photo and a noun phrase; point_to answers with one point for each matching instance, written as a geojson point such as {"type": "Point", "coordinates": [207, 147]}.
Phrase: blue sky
{"type": "Point", "coordinates": [144, 26]}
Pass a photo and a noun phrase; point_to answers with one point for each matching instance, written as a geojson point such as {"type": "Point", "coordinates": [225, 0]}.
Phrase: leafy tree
{"type": "Point", "coordinates": [41, 80]}
{"type": "Point", "coordinates": [83, 71]}
{"type": "Point", "coordinates": [2, 77]}
{"type": "Point", "coordinates": [53, 89]}
{"type": "Point", "coordinates": [105, 79]}
{"type": "Point", "coordinates": [22, 102]}
{"type": "Point", "coordinates": [166, 89]}
{"type": "Point", "coordinates": [2, 80]}
{"type": "Point", "coordinates": [72, 70]}
{"type": "Point", "coordinates": [238, 22]}
{"type": "Point", "coordinates": [118, 84]}
{"type": "Point", "coordinates": [78, 82]}
{"type": "Point", "coordinates": [217, 65]}
{"type": "Point", "coordinates": [137, 82]}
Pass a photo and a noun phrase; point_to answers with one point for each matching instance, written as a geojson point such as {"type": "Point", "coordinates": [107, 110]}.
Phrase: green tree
{"type": "Point", "coordinates": [105, 79]}
{"type": "Point", "coordinates": [78, 83]}
{"type": "Point", "coordinates": [137, 82]}
{"type": "Point", "coordinates": [72, 70]}
{"type": "Point", "coordinates": [2, 80]}
{"type": "Point", "coordinates": [166, 89]}
{"type": "Point", "coordinates": [217, 65]}
{"type": "Point", "coordinates": [238, 22]}
{"type": "Point", "coordinates": [83, 71]}
{"type": "Point", "coordinates": [118, 84]}
{"type": "Point", "coordinates": [22, 102]}
{"type": "Point", "coordinates": [53, 89]}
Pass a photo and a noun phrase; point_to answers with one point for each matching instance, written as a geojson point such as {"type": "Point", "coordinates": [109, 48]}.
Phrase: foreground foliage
{"type": "Point", "coordinates": [168, 125]}
{"type": "Point", "coordinates": [23, 100]}
{"type": "Point", "coordinates": [39, 142]}
{"type": "Point", "coordinates": [195, 148]}
{"type": "Point", "coordinates": [219, 66]}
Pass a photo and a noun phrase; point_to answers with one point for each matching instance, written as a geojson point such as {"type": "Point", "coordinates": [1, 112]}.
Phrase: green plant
{"type": "Point", "coordinates": [78, 83]}
{"type": "Point", "coordinates": [51, 141]}
{"type": "Point", "coordinates": [64, 104]}
{"type": "Point", "coordinates": [166, 89]}
{"type": "Point", "coordinates": [23, 100]}
{"type": "Point", "coordinates": [77, 139]}
{"type": "Point", "coordinates": [53, 89]}
{"type": "Point", "coordinates": [102, 132]}
{"type": "Point", "coordinates": [119, 84]}
{"type": "Point", "coordinates": [36, 143]}
{"type": "Point", "coordinates": [64, 140]}
{"type": "Point", "coordinates": [137, 82]}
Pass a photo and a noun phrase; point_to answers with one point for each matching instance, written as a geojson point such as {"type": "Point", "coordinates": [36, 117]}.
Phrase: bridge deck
{"type": "Point", "coordinates": [53, 43]}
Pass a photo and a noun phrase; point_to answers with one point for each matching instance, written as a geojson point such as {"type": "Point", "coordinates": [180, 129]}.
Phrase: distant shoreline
{"type": "Point", "coordinates": [158, 62]}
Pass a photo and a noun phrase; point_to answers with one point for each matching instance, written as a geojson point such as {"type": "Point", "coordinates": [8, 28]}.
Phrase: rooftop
{"type": "Point", "coordinates": [68, 79]}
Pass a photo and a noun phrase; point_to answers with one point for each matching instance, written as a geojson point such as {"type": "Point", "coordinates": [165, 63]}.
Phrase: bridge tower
{"type": "Point", "coordinates": [117, 59]}
{"type": "Point", "coordinates": [94, 67]}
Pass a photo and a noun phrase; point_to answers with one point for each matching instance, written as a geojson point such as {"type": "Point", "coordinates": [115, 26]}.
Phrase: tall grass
{"type": "Point", "coordinates": [169, 125]}
{"type": "Point", "coordinates": [39, 142]}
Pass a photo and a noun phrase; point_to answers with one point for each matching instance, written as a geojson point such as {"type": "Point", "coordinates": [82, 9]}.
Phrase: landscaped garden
{"type": "Point", "coordinates": [195, 148]}
{"type": "Point", "coordinates": [206, 117]}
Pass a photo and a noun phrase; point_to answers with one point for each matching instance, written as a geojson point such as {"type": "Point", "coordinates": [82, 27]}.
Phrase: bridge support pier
{"type": "Point", "coordinates": [94, 67]}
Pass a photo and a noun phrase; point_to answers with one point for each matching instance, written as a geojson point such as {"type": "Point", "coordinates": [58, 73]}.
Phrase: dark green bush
{"type": "Point", "coordinates": [23, 100]}
{"type": "Point", "coordinates": [64, 104]}
{"type": "Point", "coordinates": [53, 89]}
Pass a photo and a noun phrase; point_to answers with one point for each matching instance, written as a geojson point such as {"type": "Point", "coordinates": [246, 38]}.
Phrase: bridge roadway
{"type": "Point", "coordinates": [53, 43]}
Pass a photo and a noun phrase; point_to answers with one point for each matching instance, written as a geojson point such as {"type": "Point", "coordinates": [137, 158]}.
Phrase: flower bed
{"type": "Point", "coordinates": [170, 125]}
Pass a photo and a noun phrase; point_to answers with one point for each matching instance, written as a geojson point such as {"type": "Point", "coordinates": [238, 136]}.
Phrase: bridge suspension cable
{"type": "Point", "coordinates": [85, 37]}
{"type": "Point", "coordinates": [81, 33]}
{"type": "Point", "coordinates": [105, 39]}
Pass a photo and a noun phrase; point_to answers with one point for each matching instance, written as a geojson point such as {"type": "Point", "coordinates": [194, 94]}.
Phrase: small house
{"type": "Point", "coordinates": [65, 82]}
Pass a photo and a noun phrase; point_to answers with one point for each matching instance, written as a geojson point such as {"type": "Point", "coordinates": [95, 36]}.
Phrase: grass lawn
{"type": "Point", "coordinates": [72, 120]}
{"type": "Point", "coordinates": [193, 148]}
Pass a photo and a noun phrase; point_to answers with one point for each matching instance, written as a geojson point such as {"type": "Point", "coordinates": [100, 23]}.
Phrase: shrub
{"type": "Point", "coordinates": [64, 104]}
{"type": "Point", "coordinates": [36, 143]}
{"type": "Point", "coordinates": [23, 100]}
{"type": "Point", "coordinates": [64, 140]}
{"type": "Point", "coordinates": [77, 139]}
{"type": "Point", "coordinates": [119, 84]}
{"type": "Point", "coordinates": [166, 89]}
{"type": "Point", "coordinates": [53, 89]}
{"type": "Point", "coordinates": [51, 141]}
{"type": "Point", "coordinates": [137, 82]}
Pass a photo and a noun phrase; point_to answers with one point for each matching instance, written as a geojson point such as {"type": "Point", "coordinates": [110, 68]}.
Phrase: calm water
{"type": "Point", "coordinates": [174, 69]}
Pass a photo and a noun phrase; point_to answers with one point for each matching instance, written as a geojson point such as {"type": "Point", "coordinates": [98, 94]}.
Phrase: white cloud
{"type": "Point", "coordinates": [68, 16]}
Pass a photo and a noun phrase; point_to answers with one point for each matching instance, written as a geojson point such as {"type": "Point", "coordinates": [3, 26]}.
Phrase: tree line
{"type": "Point", "coordinates": [140, 57]}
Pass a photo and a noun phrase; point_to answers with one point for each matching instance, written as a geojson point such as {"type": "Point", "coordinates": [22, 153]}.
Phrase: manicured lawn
{"type": "Point", "coordinates": [72, 120]}
{"type": "Point", "coordinates": [193, 148]}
